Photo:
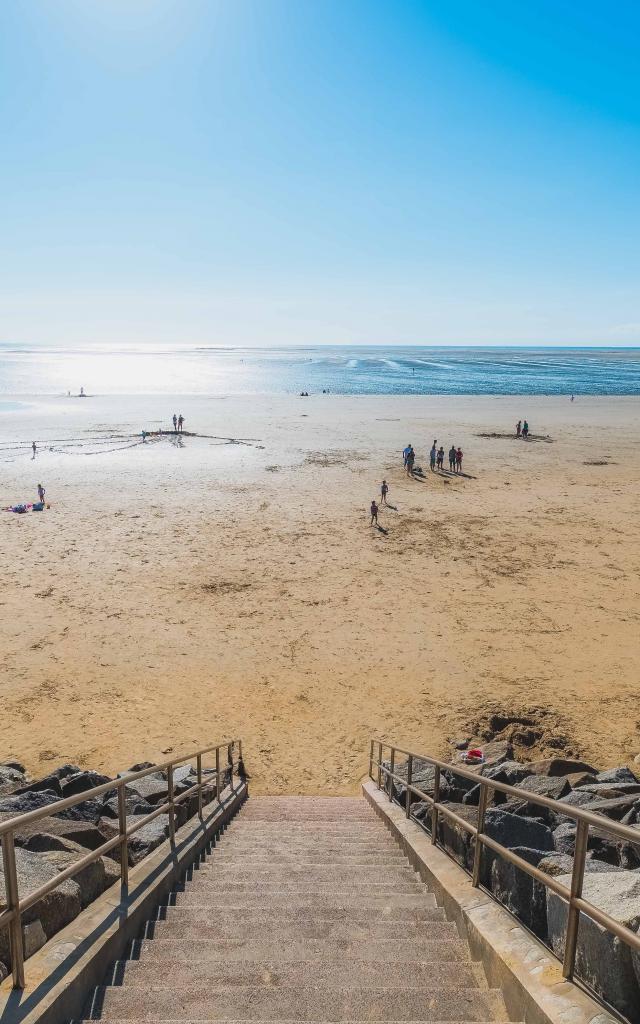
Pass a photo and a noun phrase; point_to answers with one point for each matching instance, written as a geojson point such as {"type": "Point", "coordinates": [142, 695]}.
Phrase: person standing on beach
{"type": "Point", "coordinates": [180, 422]}
{"type": "Point", "coordinates": [175, 422]}
{"type": "Point", "coordinates": [33, 446]}
{"type": "Point", "coordinates": [384, 490]}
{"type": "Point", "coordinates": [41, 493]}
{"type": "Point", "coordinates": [459, 460]}
{"type": "Point", "coordinates": [452, 458]}
{"type": "Point", "coordinates": [518, 428]}
{"type": "Point", "coordinates": [405, 455]}
{"type": "Point", "coordinates": [433, 454]}
{"type": "Point", "coordinates": [411, 458]}
{"type": "Point", "coordinates": [525, 430]}
{"type": "Point", "coordinates": [440, 458]}
{"type": "Point", "coordinates": [374, 513]}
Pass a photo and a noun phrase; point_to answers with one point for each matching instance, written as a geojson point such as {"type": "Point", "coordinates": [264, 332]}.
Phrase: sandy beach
{"type": "Point", "coordinates": [178, 594]}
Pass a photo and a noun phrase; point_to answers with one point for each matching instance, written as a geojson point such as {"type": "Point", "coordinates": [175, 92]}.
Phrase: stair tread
{"type": "Point", "coordinates": [397, 950]}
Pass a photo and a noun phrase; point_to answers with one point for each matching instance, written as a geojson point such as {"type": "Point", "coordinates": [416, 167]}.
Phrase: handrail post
{"type": "Point", "coordinates": [199, 769]}
{"type": "Point", "coordinates": [392, 766]}
{"type": "Point", "coordinates": [379, 764]}
{"type": "Point", "coordinates": [573, 919]}
{"type": "Point", "coordinates": [230, 760]}
{"type": "Point", "coordinates": [409, 782]}
{"type": "Point", "coordinates": [124, 842]}
{"type": "Point", "coordinates": [13, 903]}
{"type": "Point", "coordinates": [477, 853]}
{"type": "Point", "coordinates": [172, 806]}
{"type": "Point", "coordinates": [371, 761]}
{"type": "Point", "coordinates": [434, 806]}
{"type": "Point", "coordinates": [218, 795]}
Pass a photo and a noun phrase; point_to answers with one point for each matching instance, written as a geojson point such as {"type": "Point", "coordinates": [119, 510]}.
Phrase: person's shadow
{"type": "Point", "coordinates": [381, 529]}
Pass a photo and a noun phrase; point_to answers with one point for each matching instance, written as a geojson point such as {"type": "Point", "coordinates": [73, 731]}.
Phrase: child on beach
{"type": "Point", "coordinates": [384, 490]}
{"type": "Point", "coordinates": [411, 457]}
{"type": "Point", "coordinates": [41, 492]}
{"type": "Point", "coordinates": [518, 428]}
{"type": "Point", "coordinates": [374, 513]}
{"type": "Point", "coordinates": [440, 458]}
{"type": "Point", "coordinates": [459, 460]}
{"type": "Point", "coordinates": [525, 430]}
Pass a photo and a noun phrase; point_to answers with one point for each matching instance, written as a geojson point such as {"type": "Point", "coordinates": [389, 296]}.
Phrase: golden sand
{"type": "Point", "coordinates": [173, 597]}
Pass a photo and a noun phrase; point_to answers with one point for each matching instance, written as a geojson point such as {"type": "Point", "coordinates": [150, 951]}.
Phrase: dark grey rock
{"type": "Point", "coordinates": [16, 766]}
{"type": "Point", "coordinates": [615, 808]}
{"type": "Point", "coordinates": [617, 775]}
{"type": "Point", "coordinates": [497, 751]}
{"type": "Point", "coordinates": [552, 787]}
{"type": "Point", "coordinates": [518, 892]}
{"type": "Point", "coordinates": [133, 805]}
{"type": "Point", "coordinates": [603, 961]}
{"type": "Point", "coordinates": [44, 834]}
{"type": "Point", "coordinates": [89, 811]}
{"type": "Point", "coordinates": [146, 839]}
{"type": "Point", "coordinates": [612, 790]}
{"type": "Point", "coordinates": [53, 781]}
{"type": "Point", "coordinates": [578, 798]}
{"type": "Point", "coordinates": [20, 803]}
{"type": "Point", "coordinates": [54, 911]}
{"type": "Point", "coordinates": [152, 788]}
{"type": "Point", "coordinates": [92, 879]}
{"type": "Point", "coordinates": [556, 766]}
{"type": "Point", "coordinates": [454, 838]}
{"type": "Point", "coordinates": [82, 781]}
{"type": "Point", "coordinates": [512, 830]}
{"type": "Point", "coordinates": [10, 776]}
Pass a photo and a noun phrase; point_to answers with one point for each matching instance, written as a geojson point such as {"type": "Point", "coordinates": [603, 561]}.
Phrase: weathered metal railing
{"type": "Point", "coordinates": [584, 820]}
{"type": "Point", "coordinates": [11, 916]}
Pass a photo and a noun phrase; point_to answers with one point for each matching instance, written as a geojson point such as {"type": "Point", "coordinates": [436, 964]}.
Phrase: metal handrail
{"type": "Point", "coordinates": [12, 915]}
{"type": "Point", "coordinates": [584, 820]}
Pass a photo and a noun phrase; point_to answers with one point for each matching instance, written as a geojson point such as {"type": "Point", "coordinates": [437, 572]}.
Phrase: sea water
{"type": "Point", "coordinates": [345, 370]}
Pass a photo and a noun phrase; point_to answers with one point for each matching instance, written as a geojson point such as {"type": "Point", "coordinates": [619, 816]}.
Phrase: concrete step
{"type": "Point", "coordinates": [308, 844]}
{"type": "Point", "coordinates": [337, 873]}
{"type": "Point", "coordinates": [224, 919]}
{"type": "Point", "coordinates": [189, 926]}
{"type": "Point", "coordinates": [309, 887]}
{"type": "Point", "coordinates": [248, 859]}
{"type": "Point", "coordinates": [335, 973]}
{"type": "Point", "coordinates": [301, 1003]}
{"type": "Point", "coordinates": [396, 950]}
{"type": "Point", "coordinates": [322, 904]}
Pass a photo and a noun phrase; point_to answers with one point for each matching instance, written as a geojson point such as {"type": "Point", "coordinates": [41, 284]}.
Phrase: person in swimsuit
{"type": "Point", "coordinates": [525, 429]}
{"type": "Point", "coordinates": [411, 458]}
{"type": "Point", "coordinates": [41, 492]}
{"type": "Point", "coordinates": [374, 513]}
{"type": "Point", "coordinates": [384, 490]}
{"type": "Point", "coordinates": [33, 445]}
{"type": "Point", "coordinates": [459, 460]}
{"type": "Point", "coordinates": [440, 458]}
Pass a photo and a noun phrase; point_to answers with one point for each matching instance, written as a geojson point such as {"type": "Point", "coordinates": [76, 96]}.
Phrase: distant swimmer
{"type": "Point", "coordinates": [374, 513]}
{"type": "Point", "coordinates": [572, 398]}
{"type": "Point", "coordinates": [175, 422]}
{"type": "Point", "coordinates": [384, 490]}
{"type": "Point", "coordinates": [180, 422]}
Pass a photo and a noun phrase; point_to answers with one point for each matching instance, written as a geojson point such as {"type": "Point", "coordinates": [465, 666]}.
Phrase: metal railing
{"type": "Point", "coordinates": [584, 820]}
{"type": "Point", "coordinates": [11, 916]}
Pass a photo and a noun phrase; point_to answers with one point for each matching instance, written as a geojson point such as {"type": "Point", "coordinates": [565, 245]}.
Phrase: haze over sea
{"type": "Point", "coordinates": [347, 370]}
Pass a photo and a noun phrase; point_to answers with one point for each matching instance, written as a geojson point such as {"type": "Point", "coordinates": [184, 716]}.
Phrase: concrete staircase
{"type": "Point", "coordinates": [305, 910]}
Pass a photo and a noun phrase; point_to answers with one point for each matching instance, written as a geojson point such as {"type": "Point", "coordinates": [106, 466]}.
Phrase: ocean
{"type": "Point", "coordinates": [345, 370]}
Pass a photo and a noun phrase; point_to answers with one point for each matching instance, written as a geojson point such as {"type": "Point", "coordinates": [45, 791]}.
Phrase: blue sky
{"type": "Point", "coordinates": [265, 172]}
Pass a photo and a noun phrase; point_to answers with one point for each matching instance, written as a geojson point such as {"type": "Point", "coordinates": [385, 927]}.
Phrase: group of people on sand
{"type": "Point", "coordinates": [177, 423]}
{"type": "Point", "coordinates": [436, 458]}
{"type": "Point", "coordinates": [522, 429]}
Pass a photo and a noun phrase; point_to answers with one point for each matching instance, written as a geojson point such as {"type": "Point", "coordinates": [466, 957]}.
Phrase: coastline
{"type": "Point", "coordinates": [225, 588]}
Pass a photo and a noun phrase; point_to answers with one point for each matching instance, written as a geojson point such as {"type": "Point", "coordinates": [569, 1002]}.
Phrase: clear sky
{"type": "Point", "coordinates": [266, 172]}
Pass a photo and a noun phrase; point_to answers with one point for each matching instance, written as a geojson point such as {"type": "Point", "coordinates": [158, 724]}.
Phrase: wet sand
{"type": "Point", "coordinates": [177, 595]}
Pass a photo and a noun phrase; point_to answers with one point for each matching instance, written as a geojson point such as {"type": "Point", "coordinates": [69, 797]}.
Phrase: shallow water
{"type": "Point", "coordinates": [339, 370]}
